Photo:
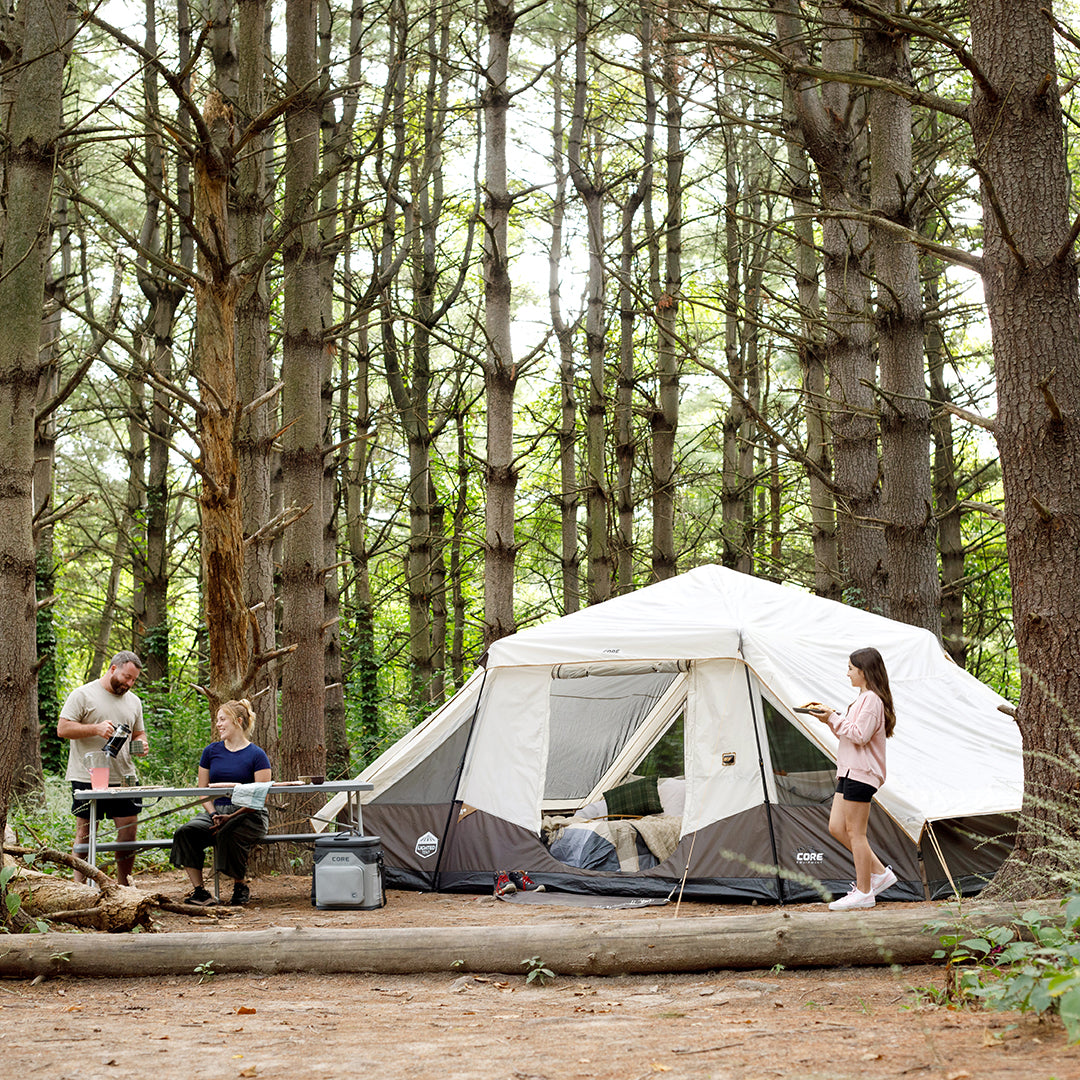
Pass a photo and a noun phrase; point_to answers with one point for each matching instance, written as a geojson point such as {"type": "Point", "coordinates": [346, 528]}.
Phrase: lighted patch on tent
{"type": "Point", "coordinates": [427, 845]}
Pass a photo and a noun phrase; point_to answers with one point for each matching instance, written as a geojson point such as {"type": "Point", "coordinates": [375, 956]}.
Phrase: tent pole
{"type": "Point", "coordinates": [941, 859]}
{"type": "Point", "coordinates": [455, 802]}
{"type": "Point", "coordinates": [764, 783]}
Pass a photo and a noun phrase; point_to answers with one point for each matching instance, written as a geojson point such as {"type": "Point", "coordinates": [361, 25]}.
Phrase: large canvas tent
{"type": "Point", "coordinates": [694, 679]}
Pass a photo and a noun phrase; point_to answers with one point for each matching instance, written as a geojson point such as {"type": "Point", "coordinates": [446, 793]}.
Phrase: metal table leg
{"type": "Point", "coordinates": [91, 853]}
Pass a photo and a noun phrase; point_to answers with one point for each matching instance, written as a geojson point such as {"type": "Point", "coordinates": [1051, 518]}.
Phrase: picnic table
{"type": "Point", "coordinates": [352, 789]}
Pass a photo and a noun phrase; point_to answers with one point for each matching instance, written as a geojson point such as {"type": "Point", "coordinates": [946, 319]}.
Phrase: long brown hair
{"type": "Point", "coordinates": [869, 662]}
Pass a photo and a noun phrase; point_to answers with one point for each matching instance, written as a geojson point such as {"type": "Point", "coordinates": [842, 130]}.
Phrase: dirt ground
{"type": "Point", "coordinates": [816, 1024]}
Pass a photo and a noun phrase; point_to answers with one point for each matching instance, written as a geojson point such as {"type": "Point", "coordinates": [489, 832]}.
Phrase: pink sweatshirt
{"type": "Point", "coordinates": [861, 754]}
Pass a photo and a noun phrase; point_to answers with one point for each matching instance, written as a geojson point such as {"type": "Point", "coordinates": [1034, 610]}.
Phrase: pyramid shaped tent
{"type": "Point", "coordinates": [693, 681]}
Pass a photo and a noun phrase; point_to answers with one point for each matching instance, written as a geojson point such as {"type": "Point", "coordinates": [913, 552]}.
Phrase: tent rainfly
{"type": "Point", "coordinates": [693, 681]}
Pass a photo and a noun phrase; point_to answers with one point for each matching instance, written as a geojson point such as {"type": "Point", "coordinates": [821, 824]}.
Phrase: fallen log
{"type": "Point", "coordinates": [104, 905]}
{"type": "Point", "coordinates": [759, 940]}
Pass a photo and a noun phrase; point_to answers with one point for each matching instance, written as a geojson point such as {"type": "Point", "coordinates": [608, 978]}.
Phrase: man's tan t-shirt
{"type": "Point", "coordinates": [92, 704]}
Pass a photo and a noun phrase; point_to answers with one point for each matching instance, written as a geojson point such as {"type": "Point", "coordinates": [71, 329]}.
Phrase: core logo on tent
{"type": "Point", "coordinates": [809, 856]}
{"type": "Point", "coordinates": [427, 845]}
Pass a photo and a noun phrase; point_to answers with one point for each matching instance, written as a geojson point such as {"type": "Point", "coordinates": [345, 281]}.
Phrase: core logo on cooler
{"type": "Point", "coordinates": [427, 845]}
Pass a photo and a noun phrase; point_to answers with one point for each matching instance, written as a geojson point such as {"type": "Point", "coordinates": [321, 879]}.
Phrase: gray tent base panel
{"type": "Point", "coordinates": [732, 861]}
{"type": "Point", "coordinates": [705, 890]}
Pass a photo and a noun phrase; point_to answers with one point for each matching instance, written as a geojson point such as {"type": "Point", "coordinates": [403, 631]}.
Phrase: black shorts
{"type": "Point", "coordinates": [855, 790]}
{"type": "Point", "coordinates": [111, 808]}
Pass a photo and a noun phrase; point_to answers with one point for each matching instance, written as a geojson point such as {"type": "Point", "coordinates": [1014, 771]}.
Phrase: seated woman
{"type": "Point", "coordinates": [231, 830]}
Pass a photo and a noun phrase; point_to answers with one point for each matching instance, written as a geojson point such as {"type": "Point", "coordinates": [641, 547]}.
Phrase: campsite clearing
{"type": "Point", "coordinates": [871, 1023]}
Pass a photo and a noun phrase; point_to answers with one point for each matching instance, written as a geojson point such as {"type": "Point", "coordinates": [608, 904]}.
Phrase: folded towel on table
{"type": "Point", "coordinates": [251, 796]}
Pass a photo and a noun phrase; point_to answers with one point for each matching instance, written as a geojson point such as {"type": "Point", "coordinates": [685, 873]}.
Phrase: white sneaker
{"type": "Point", "coordinates": [880, 882]}
{"type": "Point", "coordinates": [853, 900]}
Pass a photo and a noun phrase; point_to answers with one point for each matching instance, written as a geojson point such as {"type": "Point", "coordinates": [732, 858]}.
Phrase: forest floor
{"type": "Point", "coordinates": [809, 1024]}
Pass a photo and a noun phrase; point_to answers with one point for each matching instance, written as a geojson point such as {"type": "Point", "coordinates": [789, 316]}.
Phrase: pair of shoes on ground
{"type": "Point", "coordinates": [511, 881]}
{"type": "Point", "coordinates": [856, 900]}
{"type": "Point", "coordinates": [201, 897]}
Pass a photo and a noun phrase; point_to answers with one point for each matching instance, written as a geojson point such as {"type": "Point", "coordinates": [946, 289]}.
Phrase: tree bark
{"type": "Point", "coordinates": [164, 294]}
{"type": "Point", "coordinates": [612, 947]}
{"type": "Point", "coordinates": [258, 425]}
{"type": "Point", "coordinates": [600, 559]}
{"type": "Point", "coordinates": [220, 413]}
{"type": "Point", "coordinates": [830, 117]}
{"type": "Point", "coordinates": [946, 486]}
{"type": "Point", "coordinates": [337, 131]}
{"type": "Point", "coordinates": [500, 372]}
{"type": "Point", "coordinates": [827, 579]}
{"type": "Point", "coordinates": [31, 149]}
{"type": "Point", "coordinates": [569, 497]}
{"type": "Point", "coordinates": [664, 420]}
{"type": "Point", "coordinates": [1031, 292]}
{"type": "Point", "coordinates": [110, 908]}
{"type": "Point", "coordinates": [303, 737]}
{"type": "Point", "coordinates": [914, 585]}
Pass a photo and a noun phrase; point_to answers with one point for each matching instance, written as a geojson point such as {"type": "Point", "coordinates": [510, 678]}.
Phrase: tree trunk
{"type": "Point", "coordinates": [600, 563]}
{"type": "Point", "coordinates": [500, 372]}
{"type": "Point", "coordinates": [39, 734]}
{"type": "Point", "coordinates": [827, 580]}
{"type": "Point", "coordinates": [164, 294]}
{"type": "Point", "coordinates": [457, 559]}
{"type": "Point", "coordinates": [830, 117]}
{"type": "Point", "coordinates": [337, 131]}
{"type": "Point", "coordinates": [255, 452]}
{"type": "Point", "coordinates": [664, 420]}
{"type": "Point", "coordinates": [407, 356]}
{"type": "Point", "coordinates": [914, 586]}
{"type": "Point", "coordinates": [303, 737]}
{"type": "Point", "coordinates": [30, 150]}
{"type": "Point", "coordinates": [358, 499]}
{"type": "Point", "coordinates": [733, 503]}
{"type": "Point", "coordinates": [220, 414]}
{"type": "Point", "coordinates": [1031, 292]}
{"type": "Point", "coordinates": [946, 485]}
{"type": "Point", "coordinates": [569, 500]}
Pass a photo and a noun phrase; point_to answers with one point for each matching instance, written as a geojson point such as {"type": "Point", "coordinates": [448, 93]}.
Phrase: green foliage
{"type": "Point", "coordinates": [205, 971]}
{"type": "Point", "coordinates": [45, 820]}
{"type": "Point", "coordinates": [12, 902]}
{"type": "Point", "coordinates": [178, 725]}
{"type": "Point", "coordinates": [537, 971]}
{"type": "Point", "coordinates": [1032, 966]}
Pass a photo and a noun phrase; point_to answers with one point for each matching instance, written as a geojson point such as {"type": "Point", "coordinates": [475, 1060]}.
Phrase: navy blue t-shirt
{"type": "Point", "coordinates": [233, 766]}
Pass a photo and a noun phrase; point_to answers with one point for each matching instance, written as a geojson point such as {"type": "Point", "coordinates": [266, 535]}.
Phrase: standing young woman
{"type": "Point", "coordinates": [860, 771]}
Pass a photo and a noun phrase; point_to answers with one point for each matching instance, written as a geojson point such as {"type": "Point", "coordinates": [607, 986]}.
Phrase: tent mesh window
{"type": "Point", "coordinates": [804, 775]}
{"type": "Point", "coordinates": [667, 756]}
{"type": "Point", "coordinates": [591, 720]}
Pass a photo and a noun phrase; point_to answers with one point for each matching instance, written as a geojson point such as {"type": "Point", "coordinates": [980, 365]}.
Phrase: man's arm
{"type": "Point", "coordinates": [71, 729]}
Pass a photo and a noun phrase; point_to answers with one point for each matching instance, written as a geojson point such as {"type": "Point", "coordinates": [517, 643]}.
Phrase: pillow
{"type": "Point", "coordinates": [637, 798]}
{"type": "Point", "coordinates": [672, 792]}
{"type": "Point", "coordinates": [593, 810]}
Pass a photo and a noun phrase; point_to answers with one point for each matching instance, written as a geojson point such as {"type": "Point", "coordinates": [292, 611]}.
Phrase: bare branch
{"type": "Point", "coordinates": [971, 418]}
{"type": "Point", "coordinates": [262, 399]}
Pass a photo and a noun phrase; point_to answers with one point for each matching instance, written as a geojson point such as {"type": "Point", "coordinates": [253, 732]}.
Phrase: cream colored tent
{"type": "Point", "coordinates": [694, 679]}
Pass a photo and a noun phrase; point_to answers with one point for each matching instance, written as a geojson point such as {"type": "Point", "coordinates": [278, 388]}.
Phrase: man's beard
{"type": "Point", "coordinates": [118, 688]}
